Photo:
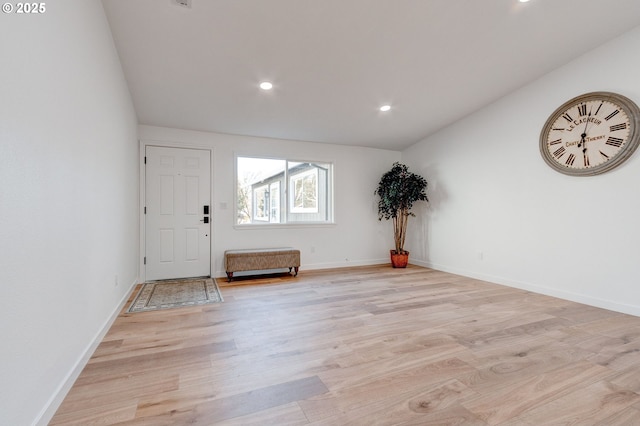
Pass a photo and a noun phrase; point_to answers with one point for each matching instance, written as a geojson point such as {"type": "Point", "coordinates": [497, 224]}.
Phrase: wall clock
{"type": "Point", "coordinates": [591, 134]}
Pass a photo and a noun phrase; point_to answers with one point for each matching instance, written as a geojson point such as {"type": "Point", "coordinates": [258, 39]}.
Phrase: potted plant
{"type": "Point", "coordinates": [398, 189]}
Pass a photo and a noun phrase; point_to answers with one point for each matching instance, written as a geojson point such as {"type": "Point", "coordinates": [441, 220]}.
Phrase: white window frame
{"type": "Point", "coordinates": [285, 206]}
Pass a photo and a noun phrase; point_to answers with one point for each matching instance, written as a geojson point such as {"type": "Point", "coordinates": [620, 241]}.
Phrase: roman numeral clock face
{"type": "Point", "coordinates": [590, 134]}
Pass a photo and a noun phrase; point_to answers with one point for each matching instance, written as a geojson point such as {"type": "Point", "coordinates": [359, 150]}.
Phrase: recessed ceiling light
{"type": "Point", "coordinates": [265, 85]}
{"type": "Point", "coordinates": [385, 108]}
{"type": "Point", "coordinates": [523, 1]}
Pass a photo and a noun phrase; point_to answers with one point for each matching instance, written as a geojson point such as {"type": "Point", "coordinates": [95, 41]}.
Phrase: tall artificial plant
{"type": "Point", "coordinates": [398, 190]}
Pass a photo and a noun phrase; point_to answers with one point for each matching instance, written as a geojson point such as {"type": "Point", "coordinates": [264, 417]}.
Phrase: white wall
{"type": "Point", "coordinates": [357, 238]}
{"type": "Point", "coordinates": [499, 213]}
{"type": "Point", "coordinates": [68, 200]}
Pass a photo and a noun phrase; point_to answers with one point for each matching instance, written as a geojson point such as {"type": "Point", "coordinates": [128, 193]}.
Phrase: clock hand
{"type": "Point", "coordinates": [587, 123]}
{"type": "Point", "coordinates": [583, 136]}
{"type": "Point", "coordinates": [583, 140]}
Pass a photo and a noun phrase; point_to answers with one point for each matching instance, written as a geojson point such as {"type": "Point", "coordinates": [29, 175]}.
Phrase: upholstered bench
{"type": "Point", "coordinates": [261, 259]}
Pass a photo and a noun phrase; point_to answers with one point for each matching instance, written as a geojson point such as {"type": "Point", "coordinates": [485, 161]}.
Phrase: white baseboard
{"type": "Point", "coordinates": [345, 264]}
{"type": "Point", "coordinates": [548, 291]}
{"type": "Point", "coordinates": [315, 266]}
{"type": "Point", "coordinates": [54, 402]}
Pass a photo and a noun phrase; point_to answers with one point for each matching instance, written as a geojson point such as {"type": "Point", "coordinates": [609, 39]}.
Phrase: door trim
{"type": "Point", "coordinates": [142, 193]}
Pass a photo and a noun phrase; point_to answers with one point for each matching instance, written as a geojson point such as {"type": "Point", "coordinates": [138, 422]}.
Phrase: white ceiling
{"type": "Point", "coordinates": [333, 63]}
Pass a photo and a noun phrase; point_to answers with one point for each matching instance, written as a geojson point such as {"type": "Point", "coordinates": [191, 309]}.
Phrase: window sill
{"type": "Point", "coordinates": [253, 227]}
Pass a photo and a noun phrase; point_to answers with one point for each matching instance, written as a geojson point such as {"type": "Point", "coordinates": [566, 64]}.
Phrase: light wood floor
{"type": "Point", "coordinates": [364, 346]}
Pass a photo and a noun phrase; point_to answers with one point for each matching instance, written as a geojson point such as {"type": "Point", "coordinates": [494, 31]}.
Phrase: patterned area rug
{"type": "Point", "coordinates": [168, 294]}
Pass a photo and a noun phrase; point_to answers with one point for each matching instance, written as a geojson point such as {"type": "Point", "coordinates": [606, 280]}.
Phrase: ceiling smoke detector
{"type": "Point", "coordinates": [183, 3]}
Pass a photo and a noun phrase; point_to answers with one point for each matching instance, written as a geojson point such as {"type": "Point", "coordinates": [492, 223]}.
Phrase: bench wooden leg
{"type": "Point", "coordinates": [229, 276]}
{"type": "Point", "coordinates": [296, 268]}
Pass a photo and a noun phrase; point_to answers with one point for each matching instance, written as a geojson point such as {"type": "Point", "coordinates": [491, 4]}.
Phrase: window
{"type": "Point", "coordinates": [304, 192]}
{"type": "Point", "coordinates": [261, 205]}
{"type": "Point", "coordinates": [274, 205]}
{"type": "Point", "coordinates": [283, 191]}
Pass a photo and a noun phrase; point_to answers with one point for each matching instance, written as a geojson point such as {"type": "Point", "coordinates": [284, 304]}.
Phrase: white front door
{"type": "Point", "coordinates": [177, 204]}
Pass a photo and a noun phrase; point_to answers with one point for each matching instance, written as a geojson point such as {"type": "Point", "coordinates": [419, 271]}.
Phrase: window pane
{"type": "Point", "coordinates": [274, 191]}
{"type": "Point", "coordinates": [310, 192]}
{"type": "Point", "coordinates": [255, 176]}
{"type": "Point", "coordinates": [261, 203]}
{"type": "Point", "coordinates": [304, 182]}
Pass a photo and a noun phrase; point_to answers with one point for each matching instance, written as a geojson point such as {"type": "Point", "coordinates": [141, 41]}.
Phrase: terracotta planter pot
{"type": "Point", "coordinates": [399, 260]}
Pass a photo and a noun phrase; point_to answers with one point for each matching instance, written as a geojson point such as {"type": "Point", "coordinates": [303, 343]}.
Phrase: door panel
{"type": "Point", "coordinates": [192, 247]}
{"type": "Point", "coordinates": [178, 242]}
{"type": "Point", "coordinates": [166, 195]}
